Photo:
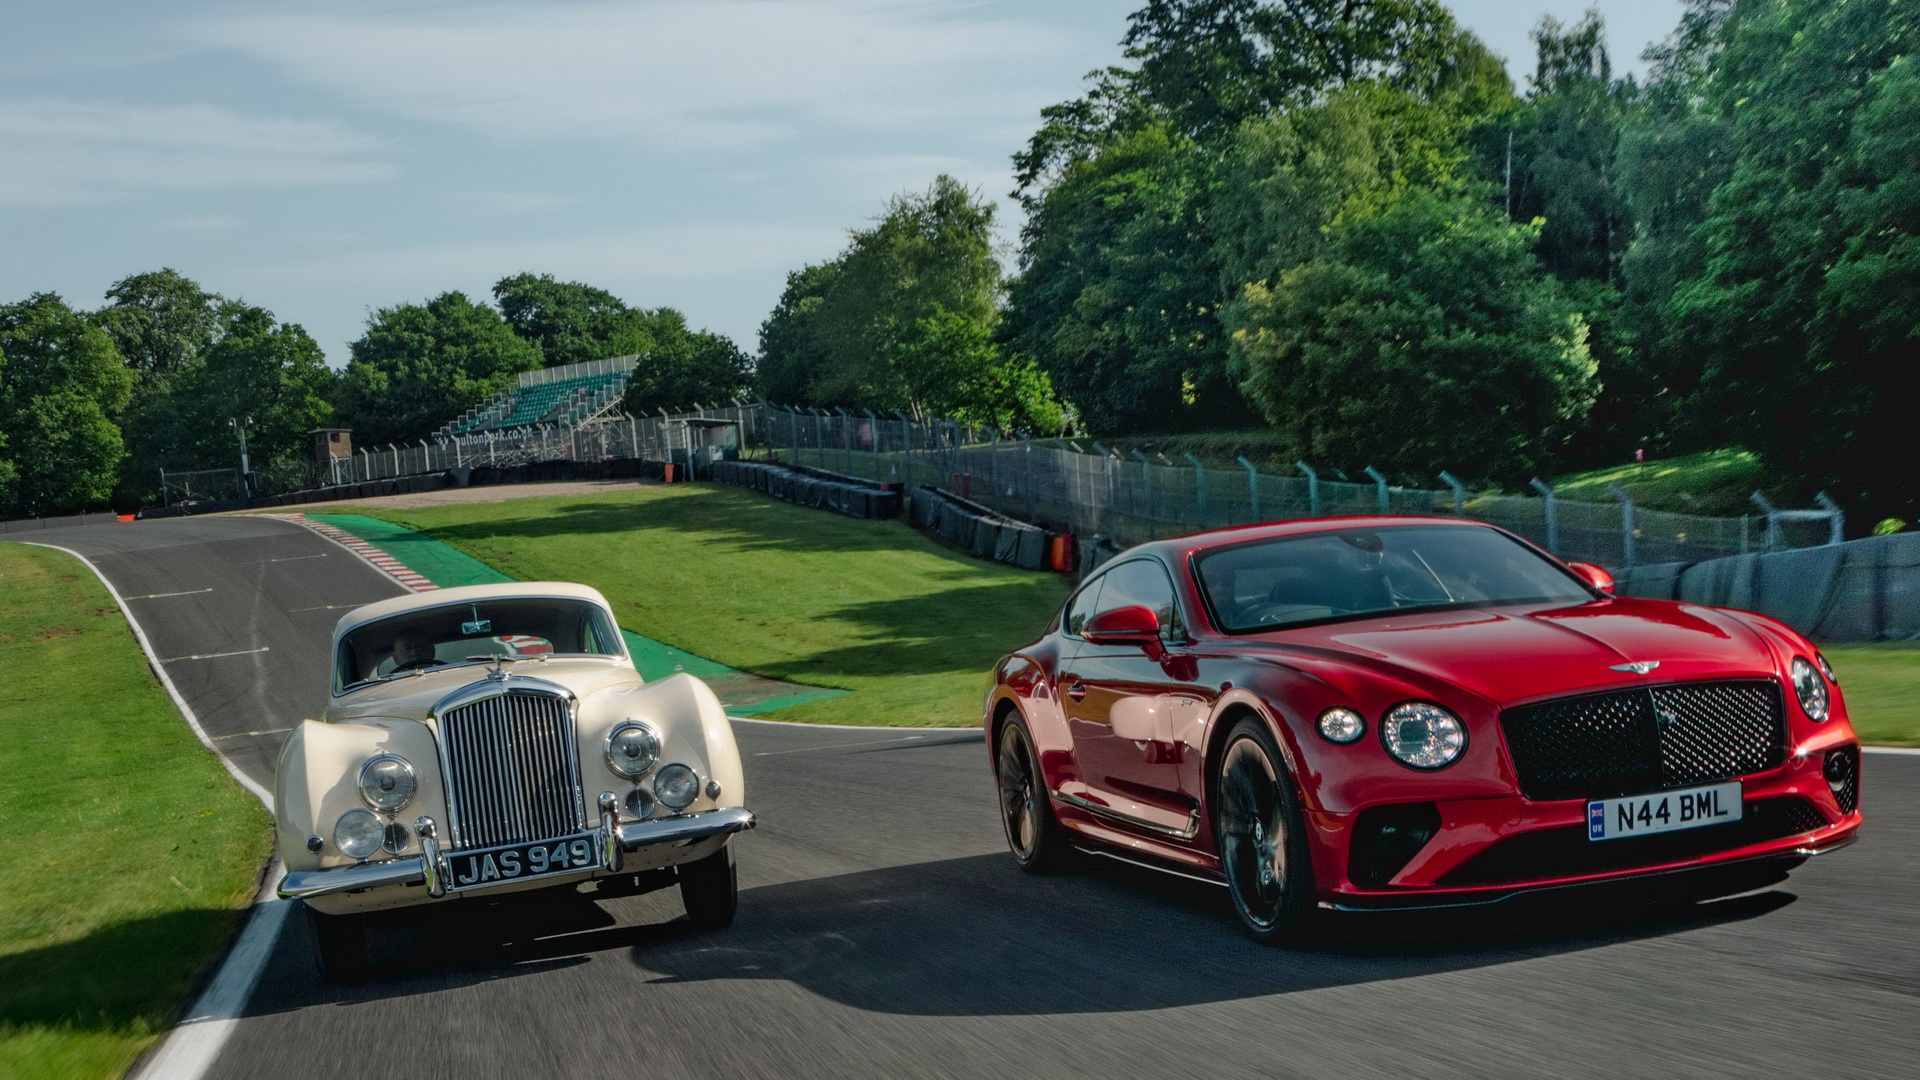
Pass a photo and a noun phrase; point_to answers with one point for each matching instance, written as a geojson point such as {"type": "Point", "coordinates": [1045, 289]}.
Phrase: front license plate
{"type": "Point", "coordinates": [1665, 811]}
{"type": "Point", "coordinates": [521, 861]}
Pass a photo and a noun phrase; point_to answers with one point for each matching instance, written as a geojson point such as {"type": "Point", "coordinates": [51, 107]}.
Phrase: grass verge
{"type": "Point", "coordinates": [126, 850]}
{"type": "Point", "coordinates": [912, 629]}
{"type": "Point", "coordinates": [1881, 684]}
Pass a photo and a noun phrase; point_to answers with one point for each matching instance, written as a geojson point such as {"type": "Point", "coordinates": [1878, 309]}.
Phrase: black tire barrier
{"type": "Point", "coordinates": [978, 529]}
{"type": "Point", "coordinates": [816, 488]}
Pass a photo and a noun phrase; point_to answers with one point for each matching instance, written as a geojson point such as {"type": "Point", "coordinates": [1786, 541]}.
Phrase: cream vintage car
{"type": "Point", "coordinates": [497, 739]}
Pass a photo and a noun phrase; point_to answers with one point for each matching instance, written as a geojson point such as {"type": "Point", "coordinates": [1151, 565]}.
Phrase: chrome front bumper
{"type": "Point", "coordinates": [429, 868]}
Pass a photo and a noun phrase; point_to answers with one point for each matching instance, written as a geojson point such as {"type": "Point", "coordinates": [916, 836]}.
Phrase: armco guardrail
{"type": "Point", "coordinates": [847, 495]}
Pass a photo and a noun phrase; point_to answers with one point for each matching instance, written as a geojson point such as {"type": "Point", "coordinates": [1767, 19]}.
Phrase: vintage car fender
{"type": "Point", "coordinates": [318, 781]}
{"type": "Point", "coordinates": [693, 731]}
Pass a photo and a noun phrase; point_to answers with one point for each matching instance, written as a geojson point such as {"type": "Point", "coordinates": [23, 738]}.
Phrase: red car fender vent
{"type": "Point", "coordinates": [1386, 838]}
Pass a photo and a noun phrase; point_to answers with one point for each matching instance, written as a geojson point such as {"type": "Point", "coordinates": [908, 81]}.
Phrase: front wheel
{"type": "Point", "coordinates": [1262, 835]}
{"type": "Point", "coordinates": [1025, 811]}
{"type": "Point", "coordinates": [710, 889]}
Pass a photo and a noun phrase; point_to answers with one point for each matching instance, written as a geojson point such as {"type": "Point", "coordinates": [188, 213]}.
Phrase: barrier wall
{"type": "Point", "coordinates": [818, 488]}
{"type": "Point", "coordinates": [978, 529]}
{"type": "Point", "coordinates": [1862, 590]}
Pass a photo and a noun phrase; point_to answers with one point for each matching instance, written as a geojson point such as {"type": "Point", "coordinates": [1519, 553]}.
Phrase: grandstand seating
{"type": "Point", "coordinates": [554, 396]}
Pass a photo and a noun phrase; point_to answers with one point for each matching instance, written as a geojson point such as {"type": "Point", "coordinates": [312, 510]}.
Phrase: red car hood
{"type": "Point", "coordinates": [1512, 654]}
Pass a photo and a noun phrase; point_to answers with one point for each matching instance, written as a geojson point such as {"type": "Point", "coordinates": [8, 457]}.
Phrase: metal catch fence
{"type": "Point", "coordinates": [1082, 488]}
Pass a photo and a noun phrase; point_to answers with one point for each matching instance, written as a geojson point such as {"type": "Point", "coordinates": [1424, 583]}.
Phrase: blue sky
{"type": "Point", "coordinates": [324, 160]}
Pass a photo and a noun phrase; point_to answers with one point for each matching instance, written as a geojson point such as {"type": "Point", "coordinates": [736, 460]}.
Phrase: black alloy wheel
{"type": "Point", "coordinates": [1262, 835]}
{"type": "Point", "coordinates": [1025, 811]}
{"type": "Point", "coordinates": [339, 944]}
{"type": "Point", "coordinates": [710, 889]}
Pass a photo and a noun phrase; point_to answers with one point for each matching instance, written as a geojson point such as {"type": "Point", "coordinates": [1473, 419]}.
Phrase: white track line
{"type": "Point", "coordinates": [216, 655]}
{"type": "Point", "coordinates": [1904, 751]}
{"type": "Point", "coordinates": [163, 595]}
{"type": "Point", "coordinates": [393, 568]}
{"type": "Point", "coordinates": [191, 1047]}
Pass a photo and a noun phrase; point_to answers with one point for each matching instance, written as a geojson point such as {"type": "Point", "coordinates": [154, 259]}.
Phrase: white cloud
{"type": "Point", "coordinates": [676, 74]}
{"type": "Point", "coordinates": [59, 151]}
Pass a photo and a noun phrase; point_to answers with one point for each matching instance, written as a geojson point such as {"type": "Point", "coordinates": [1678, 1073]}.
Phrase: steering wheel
{"type": "Point", "coordinates": [1270, 612]}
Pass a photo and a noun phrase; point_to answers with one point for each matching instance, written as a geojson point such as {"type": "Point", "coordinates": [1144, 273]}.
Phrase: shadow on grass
{"type": "Point", "coordinates": [127, 976]}
{"type": "Point", "coordinates": [974, 936]}
{"type": "Point", "coordinates": [966, 628]}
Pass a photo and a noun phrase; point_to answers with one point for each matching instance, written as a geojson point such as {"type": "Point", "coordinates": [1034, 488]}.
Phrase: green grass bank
{"type": "Point", "coordinates": [126, 851]}
{"type": "Point", "coordinates": [911, 629]}
{"type": "Point", "coordinates": [1881, 685]}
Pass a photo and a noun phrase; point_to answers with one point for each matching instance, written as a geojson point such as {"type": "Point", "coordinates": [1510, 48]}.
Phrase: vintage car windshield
{"type": "Point", "coordinates": [515, 628]}
{"type": "Point", "coordinates": [1358, 572]}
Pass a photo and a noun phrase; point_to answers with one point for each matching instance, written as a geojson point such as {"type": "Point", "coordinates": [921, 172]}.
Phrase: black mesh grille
{"type": "Point", "coordinates": [1845, 787]}
{"type": "Point", "coordinates": [1566, 852]}
{"type": "Point", "coordinates": [1646, 739]}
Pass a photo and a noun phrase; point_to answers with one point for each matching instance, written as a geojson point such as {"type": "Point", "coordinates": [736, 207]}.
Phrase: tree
{"type": "Point", "coordinates": [792, 356]}
{"type": "Point", "coordinates": [1801, 306]}
{"type": "Point", "coordinates": [570, 321]}
{"type": "Point", "coordinates": [1426, 337]}
{"type": "Point", "coordinates": [161, 321]}
{"type": "Point", "coordinates": [907, 318]}
{"type": "Point", "coordinates": [269, 373]}
{"type": "Point", "coordinates": [419, 366]}
{"type": "Point", "coordinates": [683, 369]}
{"type": "Point", "coordinates": [65, 383]}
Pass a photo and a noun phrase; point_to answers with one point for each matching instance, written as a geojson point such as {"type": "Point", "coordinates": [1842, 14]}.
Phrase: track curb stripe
{"type": "Point", "coordinates": [408, 578]}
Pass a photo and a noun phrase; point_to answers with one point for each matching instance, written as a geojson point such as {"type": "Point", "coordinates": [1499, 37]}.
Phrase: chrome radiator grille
{"type": "Point", "coordinates": [1646, 739]}
{"type": "Point", "coordinates": [512, 771]}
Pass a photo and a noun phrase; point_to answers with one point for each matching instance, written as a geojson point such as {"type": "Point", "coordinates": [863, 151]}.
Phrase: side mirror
{"type": "Point", "coordinates": [1133, 625]}
{"type": "Point", "coordinates": [1593, 576]}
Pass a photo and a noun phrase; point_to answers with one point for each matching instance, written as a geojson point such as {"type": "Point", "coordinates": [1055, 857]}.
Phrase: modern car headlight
{"type": "Point", "coordinates": [1422, 735]}
{"type": "Point", "coordinates": [387, 783]}
{"type": "Point", "coordinates": [358, 833]}
{"type": "Point", "coordinates": [676, 786]}
{"type": "Point", "coordinates": [1341, 725]}
{"type": "Point", "coordinates": [1809, 687]}
{"type": "Point", "coordinates": [632, 749]}
{"type": "Point", "coordinates": [1826, 668]}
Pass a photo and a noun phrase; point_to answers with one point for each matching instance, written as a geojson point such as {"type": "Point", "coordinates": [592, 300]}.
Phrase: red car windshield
{"type": "Point", "coordinates": [1350, 573]}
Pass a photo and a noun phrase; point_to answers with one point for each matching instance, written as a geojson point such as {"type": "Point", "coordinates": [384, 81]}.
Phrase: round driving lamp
{"type": "Point", "coordinates": [358, 834]}
{"type": "Point", "coordinates": [632, 749]}
{"type": "Point", "coordinates": [1826, 668]}
{"type": "Point", "coordinates": [387, 783]}
{"type": "Point", "coordinates": [1809, 688]}
{"type": "Point", "coordinates": [1422, 735]}
{"type": "Point", "coordinates": [676, 787]}
{"type": "Point", "coordinates": [639, 803]}
{"type": "Point", "coordinates": [1341, 725]}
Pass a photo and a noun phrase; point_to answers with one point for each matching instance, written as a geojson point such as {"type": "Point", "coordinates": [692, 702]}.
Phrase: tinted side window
{"type": "Point", "coordinates": [1144, 583]}
{"type": "Point", "coordinates": [1081, 608]}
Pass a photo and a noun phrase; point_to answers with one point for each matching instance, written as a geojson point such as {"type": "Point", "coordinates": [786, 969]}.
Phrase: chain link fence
{"type": "Point", "coordinates": [1080, 487]}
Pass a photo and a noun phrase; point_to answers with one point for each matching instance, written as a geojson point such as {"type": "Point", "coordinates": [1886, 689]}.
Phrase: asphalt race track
{"type": "Point", "coordinates": [884, 932]}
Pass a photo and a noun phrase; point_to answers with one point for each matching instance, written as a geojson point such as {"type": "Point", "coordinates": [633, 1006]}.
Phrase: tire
{"type": "Point", "coordinates": [1262, 835]}
{"type": "Point", "coordinates": [710, 889]}
{"type": "Point", "coordinates": [1026, 812]}
{"type": "Point", "coordinates": [339, 945]}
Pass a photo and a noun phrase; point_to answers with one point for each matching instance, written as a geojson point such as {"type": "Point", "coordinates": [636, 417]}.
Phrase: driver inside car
{"type": "Point", "coordinates": [413, 649]}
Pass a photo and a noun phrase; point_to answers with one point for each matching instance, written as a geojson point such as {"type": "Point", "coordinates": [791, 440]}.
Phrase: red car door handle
{"type": "Point", "coordinates": [1077, 691]}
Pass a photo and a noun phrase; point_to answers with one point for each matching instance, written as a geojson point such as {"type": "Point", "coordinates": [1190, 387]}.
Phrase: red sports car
{"type": "Point", "coordinates": [1393, 712]}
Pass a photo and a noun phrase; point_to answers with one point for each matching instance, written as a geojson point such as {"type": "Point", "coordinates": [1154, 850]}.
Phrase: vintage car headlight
{"type": "Point", "coordinates": [1422, 735]}
{"type": "Point", "coordinates": [1341, 725]}
{"type": "Point", "coordinates": [632, 749]}
{"type": "Point", "coordinates": [358, 834]}
{"type": "Point", "coordinates": [676, 786]}
{"type": "Point", "coordinates": [1809, 688]}
{"type": "Point", "coordinates": [387, 783]}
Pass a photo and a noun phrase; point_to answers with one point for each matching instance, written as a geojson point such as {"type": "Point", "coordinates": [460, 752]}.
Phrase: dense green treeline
{"type": "Point", "coordinates": [95, 404]}
{"type": "Point", "coordinates": [1344, 224]}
